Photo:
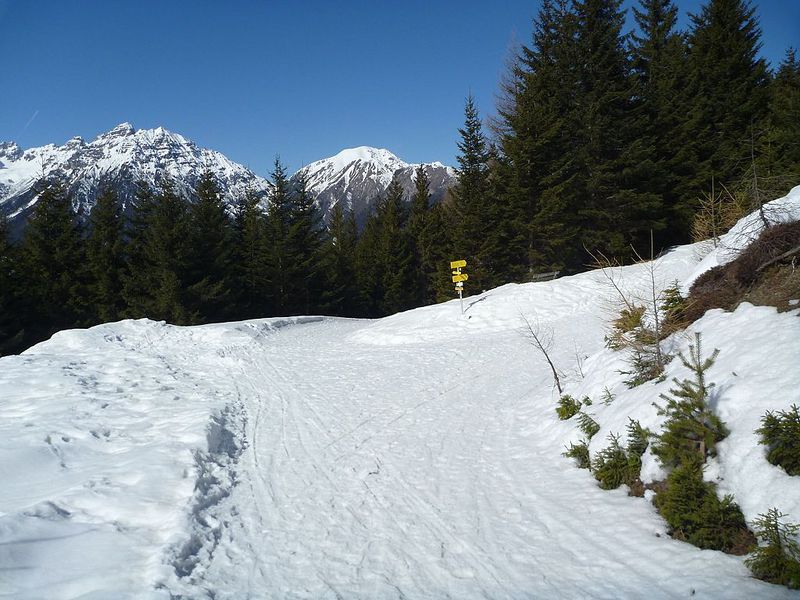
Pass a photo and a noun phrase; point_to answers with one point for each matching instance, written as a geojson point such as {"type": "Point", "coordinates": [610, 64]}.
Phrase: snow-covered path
{"type": "Point", "coordinates": [407, 471]}
{"type": "Point", "coordinates": [417, 456]}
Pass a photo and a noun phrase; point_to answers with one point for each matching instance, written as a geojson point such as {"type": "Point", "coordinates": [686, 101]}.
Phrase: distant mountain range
{"type": "Point", "coordinates": [356, 177]}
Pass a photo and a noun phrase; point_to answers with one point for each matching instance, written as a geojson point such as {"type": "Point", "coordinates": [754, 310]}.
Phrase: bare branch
{"type": "Point", "coordinates": [542, 343]}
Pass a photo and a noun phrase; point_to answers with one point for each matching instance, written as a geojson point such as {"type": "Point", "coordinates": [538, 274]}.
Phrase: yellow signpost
{"type": "Point", "coordinates": [459, 278]}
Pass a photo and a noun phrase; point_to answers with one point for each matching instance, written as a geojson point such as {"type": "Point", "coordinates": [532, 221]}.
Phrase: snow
{"type": "Point", "coordinates": [148, 153]}
{"type": "Point", "coordinates": [415, 456]}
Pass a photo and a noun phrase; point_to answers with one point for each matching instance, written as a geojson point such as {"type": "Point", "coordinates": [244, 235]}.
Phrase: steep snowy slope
{"type": "Point", "coordinates": [358, 177]}
{"type": "Point", "coordinates": [416, 456]}
{"type": "Point", "coordinates": [119, 158]}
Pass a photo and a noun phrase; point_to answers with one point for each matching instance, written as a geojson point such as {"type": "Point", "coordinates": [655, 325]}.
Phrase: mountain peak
{"type": "Point", "coordinates": [121, 130]}
{"type": "Point", "coordinates": [358, 177]}
{"type": "Point", "coordinates": [10, 150]}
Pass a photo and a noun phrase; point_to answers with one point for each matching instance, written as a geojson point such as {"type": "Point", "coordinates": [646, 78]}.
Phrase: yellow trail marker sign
{"type": "Point", "coordinates": [460, 277]}
{"type": "Point", "coordinates": [457, 264]}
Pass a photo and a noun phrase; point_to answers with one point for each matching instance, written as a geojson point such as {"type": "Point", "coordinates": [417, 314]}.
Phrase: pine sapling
{"type": "Point", "coordinates": [638, 438]}
{"type": "Point", "coordinates": [580, 454]}
{"type": "Point", "coordinates": [691, 428]}
{"type": "Point", "coordinates": [780, 433]}
{"type": "Point", "coordinates": [587, 425]}
{"type": "Point", "coordinates": [567, 407]}
{"type": "Point", "coordinates": [613, 466]}
{"type": "Point", "coordinates": [777, 560]}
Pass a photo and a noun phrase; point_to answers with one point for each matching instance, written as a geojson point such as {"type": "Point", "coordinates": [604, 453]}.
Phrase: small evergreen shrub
{"type": "Point", "coordinates": [780, 433]}
{"type": "Point", "coordinates": [778, 559]}
{"type": "Point", "coordinates": [588, 425]}
{"type": "Point", "coordinates": [580, 454]}
{"type": "Point", "coordinates": [607, 396]}
{"type": "Point", "coordinates": [644, 365]}
{"type": "Point", "coordinates": [568, 407]}
{"type": "Point", "coordinates": [638, 438]}
{"type": "Point", "coordinates": [695, 514]}
{"type": "Point", "coordinates": [673, 308]}
{"type": "Point", "coordinates": [613, 466]}
{"type": "Point", "coordinates": [691, 429]}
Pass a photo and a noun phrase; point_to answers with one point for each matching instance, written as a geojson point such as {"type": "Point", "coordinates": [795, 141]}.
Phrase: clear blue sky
{"type": "Point", "coordinates": [253, 79]}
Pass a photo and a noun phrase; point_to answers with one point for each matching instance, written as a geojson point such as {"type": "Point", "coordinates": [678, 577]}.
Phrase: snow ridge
{"type": "Point", "coordinates": [119, 157]}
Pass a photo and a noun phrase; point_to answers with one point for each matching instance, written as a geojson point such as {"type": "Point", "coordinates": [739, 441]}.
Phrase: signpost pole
{"type": "Point", "coordinates": [459, 278]}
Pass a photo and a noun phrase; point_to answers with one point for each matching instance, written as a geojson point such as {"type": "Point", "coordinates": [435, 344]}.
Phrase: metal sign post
{"type": "Point", "coordinates": [459, 278]}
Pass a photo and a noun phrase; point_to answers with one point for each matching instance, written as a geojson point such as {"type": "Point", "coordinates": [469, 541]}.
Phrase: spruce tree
{"type": "Point", "coordinates": [369, 268]}
{"type": "Point", "coordinates": [306, 240]}
{"type": "Point", "coordinates": [728, 88]}
{"type": "Point", "coordinates": [210, 260]}
{"type": "Point", "coordinates": [157, 287]}
{"type": "Point", "coordinates": [540, 169]}
{"type": "Point", "coordinates": [251, 273]}
{"type": "Point", "coordinates": [136, 277]}
{"type": "Point", "coordinates": [614, 210]}
{"type": "Point", "coordinates": [279, 257]}
{"type": "Point", "coordinates": [54, 266]}
{"type": "Point", "coordinates": [470, 211]}
{"type": "Point", "coordinates": [105, 257]}
{"type": "Point", "coordinates": [420, 229]}
{"type": "Point", "coordinates": [658, 62]}
{"type": "Point", "coordinates": [12, 310]}
{"type": "Point", "coordinates": [785, 117]}
{"type": "Point", "coordinates": [340, 296]}
{"type": "Point", "coordinates": [396, 256]}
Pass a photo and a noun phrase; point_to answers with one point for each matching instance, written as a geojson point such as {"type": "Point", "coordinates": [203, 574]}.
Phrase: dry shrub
{"type": "Point", "coordinates": [766, 272]}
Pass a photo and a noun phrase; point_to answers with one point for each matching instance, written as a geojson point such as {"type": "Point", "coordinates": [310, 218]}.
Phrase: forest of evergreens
{"type": "Point", "coordinates": [601, 140]}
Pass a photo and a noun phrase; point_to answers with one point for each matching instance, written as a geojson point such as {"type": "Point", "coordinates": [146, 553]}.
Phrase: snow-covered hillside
{"type": "Point", "coordinates": [359, 176]}
{"type": "Point", "coordinates": [416, 456]}
{"type": "Point", "coordinates": [118, 158]}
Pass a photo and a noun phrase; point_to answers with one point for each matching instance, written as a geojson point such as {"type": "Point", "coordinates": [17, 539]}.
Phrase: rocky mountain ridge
{"type": "Point", "coordinates": [123, 156]}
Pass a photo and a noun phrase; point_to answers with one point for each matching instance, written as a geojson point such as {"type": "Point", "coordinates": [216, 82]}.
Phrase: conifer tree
{"type": "Point", "coordinates": [691, 430]}
{"type": "Point", "coordinates": [105, 257]}
{"type": "Point", "coordinates": [279, 258]}
{"type": "Point", "coordinates": [12, 313]}
{"type": "Point", "coordinates": [439, 276]}
{"type": "Point", "coordinates": [340, 296]}
{"type": "Point", "coordinates": [158, 286]}
{"type": "Point", "coordinates": [368, 268]}
{"type": "Point", "coordinates": [470, 210]}
{"type": "Point", "coordinates": [251, 253]}
{"type": "Point", "coordinates": [396, 256]}
{"type": "Point", "coordinates": [136, 278]}
{"type": "Point", "coordinates": [420, 229]}
{"type": "Point", "coordinates": [53, 257]}
{"type": "Point", "coordinates": [658, 61]}
{"type": "Point", "coordinates": [785, 117]}
{"type": "Point", "coordinates": [614, 211]}
{"type": "Point", "coordinates": [727, 87]}
{"type": "Point", "coordinates": [209, 261]}
{"type": "Point", "coordinates": [306, 240]}
{"type": "Point", "coordinates": [537, 142]}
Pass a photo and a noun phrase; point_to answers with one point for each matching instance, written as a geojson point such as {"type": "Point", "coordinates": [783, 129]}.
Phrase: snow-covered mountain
{"type": "Point", "coordinates": [124, 155]}
{"type": "Point", "coordinates": [359, 176]}
{"type": "Point", "coordinates": [119, 158]}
